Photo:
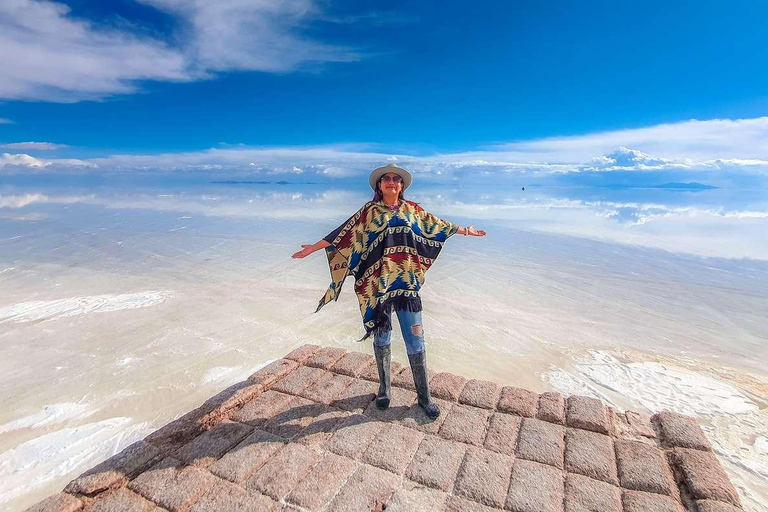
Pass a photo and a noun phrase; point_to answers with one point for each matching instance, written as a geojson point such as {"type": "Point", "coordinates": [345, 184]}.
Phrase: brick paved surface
{"type": "Point", "coordinates": [302, 434]}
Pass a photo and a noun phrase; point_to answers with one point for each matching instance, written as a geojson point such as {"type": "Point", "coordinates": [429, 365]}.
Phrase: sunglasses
{"type": "Point", "coordinates": [393, 179]}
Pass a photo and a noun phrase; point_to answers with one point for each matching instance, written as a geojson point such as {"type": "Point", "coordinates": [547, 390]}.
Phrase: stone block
{"type": "Point", "coordinates": [715, 506]}
{"type": "Point", "coordinates": [372, 372]}
{"type": "Point", "coordinates": [368, 488]}
{"type": "Point", "coordinates": [242, 461]}
{"type": "Point", "coordinates": [518, 401]}
{"type": "Point", "coordinates": [484, 477]}
{"type": "Point", "coordinates": [327, 388]}
{"type": "Point", "coordinates": [273, 371]}
{"type": "Point", "coordinates": [353, 363]}
{"type": "Point", "coordinates": [298, 380]}
{"type": "Point", "coordinates": [228, 497]}
{"type": "Point", "coordinates": [294, 418]}
{"type": "Point", "coordinates": [447, 386]}
{"type": "Point", "coordinates": [353, 435]}
{"type": "Point", "coordinates": [404, 378]}
{"type": "Point", "coordinates": [642, 467]}
{"type": "Point", "coordinates": [209, 446]}
{"type": "Point", "coordinates": [590, 454]}
{"type": "Point", "coordinates": [541, 441]}
{"type": "Point", "coordinates": [284, 471]}
{"type": "Point", "coordinates": [303, 353]}
{"type": "Point", "coordinates": [583, 494]}
{"type": "Point", "coordinates": [637, 501]}
{"type": "Point", "coordinates": [262, 408]}
{"type": "Point", "coordinates": [61, 502]}
{"type": "Point", "coordinates": [399, 405]}
{"type": "Point", "coordinates": [321, 426]}
{"type": "Point", "coordinates": [459, 504]}
{"type": "Point", "coordinates": [317, 489]}
{"type": "Point", "coordinates": [393, 448]}
{"type": "Point", "coordinates": [116, 470]}
{"type": "Point", "coordinates": [535, 487]}
{"type": "Point", "coordinates": [703, 476]}
{"type": "Point", "coordinates": [173, 486]}
{"type": "Point", "coordinates": [178, 432]}
{"type": "Point", "coordinates": [122, 500]}
{"type": "Point", "coordinates": [410, 497]}
{"type": "Point", "coordinates": [465, 424]}
{"type": "Point", "coordinates": [678, 431]}
{"type": "Point", "coordinates": [552, 408]}
{"type": "Point", "coordinates": [326, 357]}
{"type": "Point", "coordinates": [588, 413]}
{"type": "Point", "coordinates": [357, 396]}
{"type": "Point", "coordinates": [220, 406]}
{"type": "Point", "coordinates": [436, 463]}
{"type": "Point", "coordinates": [640, 424]}
{"type": "Point", "coordinates": [417, 419]}
{"type": "Point", "coordinates": [480, 393]}
{"type": "Point", "coordinates": [502, 433]}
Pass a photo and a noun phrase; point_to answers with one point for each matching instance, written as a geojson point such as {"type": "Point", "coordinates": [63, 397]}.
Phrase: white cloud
{"type": "Point", "coordinates": [22, 160]}
{"type": "Point", "coordinates": [25, 146]}
{"type": "Point", "coordinates": [5, 121]}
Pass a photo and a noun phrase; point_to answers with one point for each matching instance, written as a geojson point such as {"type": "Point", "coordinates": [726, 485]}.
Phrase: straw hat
{"type": "Point", "coordinates": [381, 171]}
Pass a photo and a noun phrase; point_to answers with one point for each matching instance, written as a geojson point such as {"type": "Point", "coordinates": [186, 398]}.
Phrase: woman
{"type": "Point", "coordinates": [387, 246]}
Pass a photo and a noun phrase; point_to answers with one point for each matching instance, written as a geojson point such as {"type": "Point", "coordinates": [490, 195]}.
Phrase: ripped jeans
{"type": "Point", "coordinates": [413, 333]}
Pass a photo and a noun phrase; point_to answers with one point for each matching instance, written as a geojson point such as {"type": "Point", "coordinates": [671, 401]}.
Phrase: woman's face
{"type": "Point", "coordinates": [391, 183]}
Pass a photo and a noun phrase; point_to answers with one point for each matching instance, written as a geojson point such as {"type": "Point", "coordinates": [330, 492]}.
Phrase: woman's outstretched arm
{"type": "Point", "coordinates": [471, 231]}
{"type": "Point", "coordinates": [306, 250]}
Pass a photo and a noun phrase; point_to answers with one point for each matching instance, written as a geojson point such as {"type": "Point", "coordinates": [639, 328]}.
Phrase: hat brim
{"type": "Point", "coordinates": [381, 171]}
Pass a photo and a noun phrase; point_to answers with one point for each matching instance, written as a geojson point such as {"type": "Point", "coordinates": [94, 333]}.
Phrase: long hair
{"type": "Point", "coordinates": [378, 196]}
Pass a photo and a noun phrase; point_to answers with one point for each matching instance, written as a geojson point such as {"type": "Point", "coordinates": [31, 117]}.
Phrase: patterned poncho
{"type": "Point", "coordinates": [388, 252]}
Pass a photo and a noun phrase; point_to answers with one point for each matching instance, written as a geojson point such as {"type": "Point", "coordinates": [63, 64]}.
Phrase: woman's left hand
{"type": "Point", "coordinates": [471, 231]}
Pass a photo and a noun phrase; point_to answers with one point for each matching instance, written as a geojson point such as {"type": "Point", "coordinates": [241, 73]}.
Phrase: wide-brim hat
{"type": "Point", "coordinates": [381, 171]}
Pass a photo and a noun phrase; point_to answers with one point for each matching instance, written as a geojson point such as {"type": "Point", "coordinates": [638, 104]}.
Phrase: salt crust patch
{"type": "Point", "coordinates": [74, 306]}
{"type": "Point", "coordinates": [50, 415]}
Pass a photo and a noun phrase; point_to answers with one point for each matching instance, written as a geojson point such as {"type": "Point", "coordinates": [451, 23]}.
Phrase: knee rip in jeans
{"type": "Point", "coordinates": [416, 330]}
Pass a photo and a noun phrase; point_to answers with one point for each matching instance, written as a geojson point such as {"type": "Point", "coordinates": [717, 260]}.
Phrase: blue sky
{"type": "Point", "coordinates": [286, 86]}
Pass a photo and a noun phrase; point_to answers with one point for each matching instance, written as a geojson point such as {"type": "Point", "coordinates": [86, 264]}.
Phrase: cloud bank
{"type": "Point", "coordinates": [25, 146]}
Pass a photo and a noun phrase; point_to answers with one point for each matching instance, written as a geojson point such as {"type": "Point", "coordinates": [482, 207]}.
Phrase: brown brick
{"type": "Point", "coordinates": [447, 386]}
{"type": "Point", "coordinates": [404, 378]}
{"type": "Point", "coordinates": [321, 426]}
{"type": "Point", "coordinates": [323, 482]}
{"type": "Point", "coordinates": [459, 504]}
{"type": "Point", "coordinates": [715, 506]}
{"type": "Point", "coordinates": [502, 433]}
{"type": "Point", "coordinates": [218, 407]}
{"type": "Point", "coordinates": [372, 372]}
{"type": "Point", "coordinates": [284, 471]}
{"type": "Point", "coordinates": [480, 393]}
{"type": "Point", "coordinates": [298, 380]}
{"type": "Point", "coordinates": [640, 424]}
{"type": "Point", "coordinates": [357, 396]}
{"type": "Point", "coordinates": [436, 463]}
{"type": "Point", "coordinates": [121, 500]}
{"type": "Point", "coordinates": [410, 497]}
{"type": "Point", "coordinates": [178, 432]}
{"type": "Point", "coordinates": [399, 405]}
{"type": "Point", "coordinates": [209, 446]}
{"type": "Point", "coordinates": [326, 389]}
{"type": "Point", "coordinates": [704, 476]}
{"type": "Point", "coordinates": [393, 448]}
{"type": "Point", "coordinates": [417, 419]}
{"type": "Point", "coordinates": [552, 407]}
{"type": "Point", "coordinates": [636, 501]}
{"type": "Point", "coordinates": [116, 470]}
{"type": "Point", "coordinates": [590, 454]}
{"type": "Point", "coordinates": [246, 458]}
{"type": "Point", "coordinates": [61, 502]}
{"type": "Point", "coordinates": [535, 487]}
{"type": "Point", "coordinates": [262, 408]}
{"type": "Point", "coordinates": [353, 363]}
{"type": "Point", "coordinates": [518, 401]}
{"type": "Point", "coordinates": [542, 442]}
{"type": "Point", "coordinates": [294, 419]}
{"type": "Point", "coordinates": [367, 489]}
{"type": "Point", "coordinates": [228, 497]}
{"type": "Point", "coordinates": [326, 357]}
{"type": "Point", "coordinates": [173, 486]}
{"type": "Point", "coordinates": [303, 353]}
{"type": "Point", "coordinates": [273, 371]}
{"type": "Point", "coordinates": [643, 468]}
{"type": "Point", "coordinates": [678, 431]}
{"type": "Point", "coordinates": [484, 477]}
{"type": "Point", "coordinates": [588, 413]}
{"type": "Point", "coordinates": [353, 435]}
{"type": "Point", "coordinates": [583, 494]}
{"type": "Point", "coordinates": [466, 425]}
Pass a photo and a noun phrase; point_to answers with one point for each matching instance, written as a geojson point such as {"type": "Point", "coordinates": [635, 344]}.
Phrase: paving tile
{"type": "Point", "coordinates": [61, 502]}
{"type": "Point", "coordinates": [372, 372]}
{"type": "Point", "coordinates": [678, 431]}
{"type": "Point", "coordinates": [353, 363]}
{"type": "Point", "coordinates": [284, 471]}
{"type": "Point", "coordinates": [122, 500]}
{"type": "Point", "coordinates": [535, 487]}
{"type": "Point", "coordinates": [459, 504]}
{"type": "Point", "coordinates": [447, 386]}
{"type": "Point", "coordinates": [642, 467]}
{"type": "Point", "coordinates": [703, 476]}
{"type": "Point", "coordinates": [273, 371]}
{"type": "Point", "coordinates": [410, 497]}
{"type": "Point", "coordinates": [357, 396]}
{"type": "Point", "coordinates": [436, 463]}
{"type": "Point", "coordinates": [327, 388]}
{"type": "Point", "coordinates": [583, 494]}
{"type": "Point", "coordinates": [399, 405]}
{"type": "Point", "coordinates": [116, 470]}
{"type": "Point", "coordinates": [326, 357]}
{"type": "Point", "coordinates": [246, 458]}
{"type": "Point", "coordinates": [393, 448]}
{"type": "Point", "coordinates": [353, 435]}
{"type": "Point", "coordinates": [552, 407]}
{"type": "Point", "coordinates": [417, 419]}
{"type": "Point", "coordinates": [221, 405]}
{"type": "Point", "coordinates": [404, 378]}
{"type": "Point", "coordinates": [541, 441]}
{"type": "Point", "coordinates": [177, 433]}
{"type": "Point", "coordinates": [465, 424]}
{"type": "Point", "coordinates": [715, 506]}
{"type": "Point", "coordinates": [502, 433]}
{"type": "Point", "coordinates": [298, 380]}
{"type": "Point", "coordinates": [321, 426]}
{"type": "Point", "coordinates": [317, 489]}
{"type": "Point", "coordinates": [173, 486]}
{"type": "Point", "coordinates": [228, 497]}
{"type": "Point", "coordinates": [518, 401]}
{"type": "Point", "coordinates": [484, 477]}
{"type": "Point", "coordinates": [209, 446]}
{"type": "Point", "coordinates": [637, 501]}
{"type": "Point", "coordinates": [367, 489]}
{"type": "Point", "coordinates": [295, 418]}
{"type": "Point", "coordinates": [262, 408]}
{"type": "Point", "coordinates": [480, 393]}
{"type": "Point", "coordinates": [303, 353]}
{"type": "Point", "coordinates": [590, 454]}
{"type": "Point", "coordinates": [640, 424]}
{"type": "Point", "coordinates": [588, 413]}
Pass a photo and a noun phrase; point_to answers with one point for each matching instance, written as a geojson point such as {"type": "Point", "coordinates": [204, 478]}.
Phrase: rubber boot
{"type": "Point", "coordinates": [419, 369]}
{"type": "Point", "coordinates": [383, 359]}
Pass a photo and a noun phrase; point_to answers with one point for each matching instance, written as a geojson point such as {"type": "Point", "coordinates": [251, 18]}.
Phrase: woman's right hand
{"type": "Point", "coordinates": [305, 251]}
